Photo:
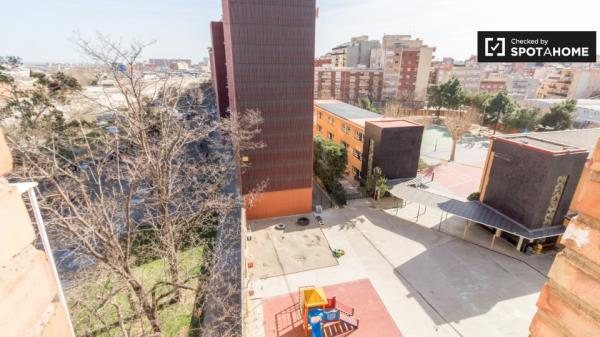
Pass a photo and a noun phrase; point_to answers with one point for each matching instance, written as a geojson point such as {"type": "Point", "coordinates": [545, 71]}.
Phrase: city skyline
{"type": "Point", "coordinates": [184, 31]}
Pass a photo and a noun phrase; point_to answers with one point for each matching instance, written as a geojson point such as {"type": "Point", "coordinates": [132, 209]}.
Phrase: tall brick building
{"type": "Point", "coordinates": [269, 55]}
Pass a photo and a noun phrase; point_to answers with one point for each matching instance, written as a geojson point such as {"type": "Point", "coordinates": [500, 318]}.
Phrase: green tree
{"type": "Point", "coordinates": [329, 163]}
{"type": "Point", "coordinates": [449, 95]}
{"type": "Point", "coordinates": [366, 104]}
{"type": "Point", "coordinates": [12, 61]}
{"type": "Point", "coordinates": [38, 109]}
{"type": "Point", "coordinates": [376, 184]}
{"type": "Point", "coordinates": [454, 95]}
{"type": "Point", "coordinates": [435, 98]}
{"type": "Point", "coordinates": [522, 118]}
{"type": "Point", "coordinates": [498, 106]}
{"type": "Point", "coordinates": [479, 102]}
{"type": "Point", "coordinates": [560, 116]}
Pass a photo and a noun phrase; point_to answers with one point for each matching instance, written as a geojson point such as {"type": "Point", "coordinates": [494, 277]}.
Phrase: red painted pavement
{"type": "Point", "coordinates": [283, 319]}
{"type": "Point", "coordinates": [459, 179]}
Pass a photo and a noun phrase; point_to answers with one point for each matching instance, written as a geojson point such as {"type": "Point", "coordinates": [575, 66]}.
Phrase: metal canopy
{"type": "Point", "coordinates": [474, 211]}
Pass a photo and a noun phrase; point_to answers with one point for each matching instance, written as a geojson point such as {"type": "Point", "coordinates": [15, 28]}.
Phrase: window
{"type": "Point", "coordinates": [355, 171]}
{"type": "Point", "coordinates": [358, 135]}
{"type": "Point", "coordinates": [357, 154]}
{"type": "Point", "coordinates": [319, 128]}
{"type": "Point", "coordinates": [330, 120]}
{"type": "Point", "coordinates": [319, 114]}
{"type": "Point", "coordinates": [345, 129]}
{"type": "Point", "coordinates": [330, 135]}
{"type": "Point", "coordinates": [345, 145]}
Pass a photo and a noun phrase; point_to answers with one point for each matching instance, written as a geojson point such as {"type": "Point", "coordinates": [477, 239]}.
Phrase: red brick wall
{"type": "Point", "coordinates": [569, 305]}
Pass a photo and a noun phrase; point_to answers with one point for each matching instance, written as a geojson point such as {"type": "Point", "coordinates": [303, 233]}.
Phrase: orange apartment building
{"type": "Point", "coordinates": [344, 124]}
{"type": "Point", "coordinates": [395, 144]}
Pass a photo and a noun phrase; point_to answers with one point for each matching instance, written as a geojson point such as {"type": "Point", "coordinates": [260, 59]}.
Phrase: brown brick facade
{"type": "Point", "coordinates": [569, 305]}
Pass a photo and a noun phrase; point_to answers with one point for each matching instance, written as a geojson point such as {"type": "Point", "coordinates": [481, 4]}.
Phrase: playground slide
{"type": "Point", "coordinates": [317, 331]}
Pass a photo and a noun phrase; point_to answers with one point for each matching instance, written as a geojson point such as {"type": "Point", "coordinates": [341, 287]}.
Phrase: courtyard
{"type": "Point", "coordinates": [429, 282]}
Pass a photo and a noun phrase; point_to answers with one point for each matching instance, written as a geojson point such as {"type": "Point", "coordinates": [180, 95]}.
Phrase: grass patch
{"type": "Point", "coordinates": [91, 312]}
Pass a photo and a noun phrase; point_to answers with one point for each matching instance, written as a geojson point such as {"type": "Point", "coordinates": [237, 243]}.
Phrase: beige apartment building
{"type": "Point", "coordinates": [569, 83]}
{"type": "Point", "coordinates": [406, 66]}
{"type": "Point", "coordinates": [469, 77]}
{"type": "Point", "coordinates": [354, 54]}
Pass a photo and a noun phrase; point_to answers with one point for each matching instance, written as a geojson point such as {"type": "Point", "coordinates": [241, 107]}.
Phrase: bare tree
{"type": "Point", "coordinates": [458, 126]}
{"type": "Point", "coordinates": [149, 184]}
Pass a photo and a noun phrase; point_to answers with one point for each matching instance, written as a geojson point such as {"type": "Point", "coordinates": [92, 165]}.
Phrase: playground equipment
{"type": "Point", "coordinates": [317, 310]}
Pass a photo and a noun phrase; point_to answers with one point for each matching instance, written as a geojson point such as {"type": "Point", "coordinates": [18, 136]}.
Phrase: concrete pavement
{"type": "Point", "coordinates": [431, 283]}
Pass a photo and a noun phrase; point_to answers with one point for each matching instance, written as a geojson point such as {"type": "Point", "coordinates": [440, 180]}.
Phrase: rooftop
{"type": "Point", "coordinates": [582, 138]}
{"type": "Point", "coordinates": [559, 141]}
{"type": "Point", "coordinates": [394, 123]}
{"type": "Point", "coordinates": [345, 110]}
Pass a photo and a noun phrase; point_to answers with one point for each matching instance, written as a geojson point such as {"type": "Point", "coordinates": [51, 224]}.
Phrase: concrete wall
{"type": "Point", "coordinates": [569, 305]}
{"type": "Point", "coordinates": [29, 303]}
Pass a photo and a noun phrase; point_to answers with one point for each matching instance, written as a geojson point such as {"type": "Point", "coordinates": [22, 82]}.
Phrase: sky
{"type": "Point", "coordinates": [43, 30]}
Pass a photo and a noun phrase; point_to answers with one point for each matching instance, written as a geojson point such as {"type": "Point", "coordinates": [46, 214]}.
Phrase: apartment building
{"type": "Point", "coordinates": [555, 82]}
{"type": "Point", "coordinates": [371, 139]}
{"type": "Point", "coordinates": [469, 77]}
{"type": "Point", "coordinates": [492, 85]}
{"type": "Point", "coordinates": [577, 83]}
{"type": "Point", "coordinates": [522, 87]}
{"type": "Point", "coordinates": [354, 54]}
{"type": "Point", "coordinates": [269, 57]}
{"type": "Point", "coordinates": [348, 85]}
{"type": "Point", "coordinates": [406, 67]}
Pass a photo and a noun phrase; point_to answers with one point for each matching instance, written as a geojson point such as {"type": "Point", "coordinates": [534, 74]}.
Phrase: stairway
{"type": "Point", "coordinates": [349, 319]}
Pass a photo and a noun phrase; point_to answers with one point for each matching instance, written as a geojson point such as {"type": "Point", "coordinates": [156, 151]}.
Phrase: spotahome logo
{"type": "Point", "coordinates": [536, 46]}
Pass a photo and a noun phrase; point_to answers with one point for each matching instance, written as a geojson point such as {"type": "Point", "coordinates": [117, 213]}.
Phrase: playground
{"type": "Point", "coordinates": [351, 308]}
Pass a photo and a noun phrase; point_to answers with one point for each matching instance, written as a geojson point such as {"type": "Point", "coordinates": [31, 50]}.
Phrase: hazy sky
{"type": "Point", "coordinates": [41, 30]}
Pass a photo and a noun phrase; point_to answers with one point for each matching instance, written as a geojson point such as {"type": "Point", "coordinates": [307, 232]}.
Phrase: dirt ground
{"type": "Point", "coordinates": [292, 250]}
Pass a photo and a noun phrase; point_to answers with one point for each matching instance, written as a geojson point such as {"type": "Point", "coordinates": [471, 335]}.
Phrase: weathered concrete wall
{"type": "Point", "coordinates": [29, 304]}
{"type": "Point", "coordinates": [569, 305]}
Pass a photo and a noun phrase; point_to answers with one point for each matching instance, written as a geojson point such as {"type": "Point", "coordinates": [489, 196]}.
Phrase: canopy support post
{"type": "Point", "coordinates": [497, 234]}
{"type": "Point", "coordinates": [520, 244]}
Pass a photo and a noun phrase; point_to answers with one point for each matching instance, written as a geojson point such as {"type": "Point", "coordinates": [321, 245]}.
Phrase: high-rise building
{"type": "Point", "coordinates": [406, 67]}
{"type": "Point", "coordinates": [269, 56]}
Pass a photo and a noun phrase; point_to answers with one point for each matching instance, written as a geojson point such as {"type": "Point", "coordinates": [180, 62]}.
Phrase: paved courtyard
{"type": "Point", "coordinates": [430, 282]}
{"type": "Point", "coordinates": [291, 250]}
